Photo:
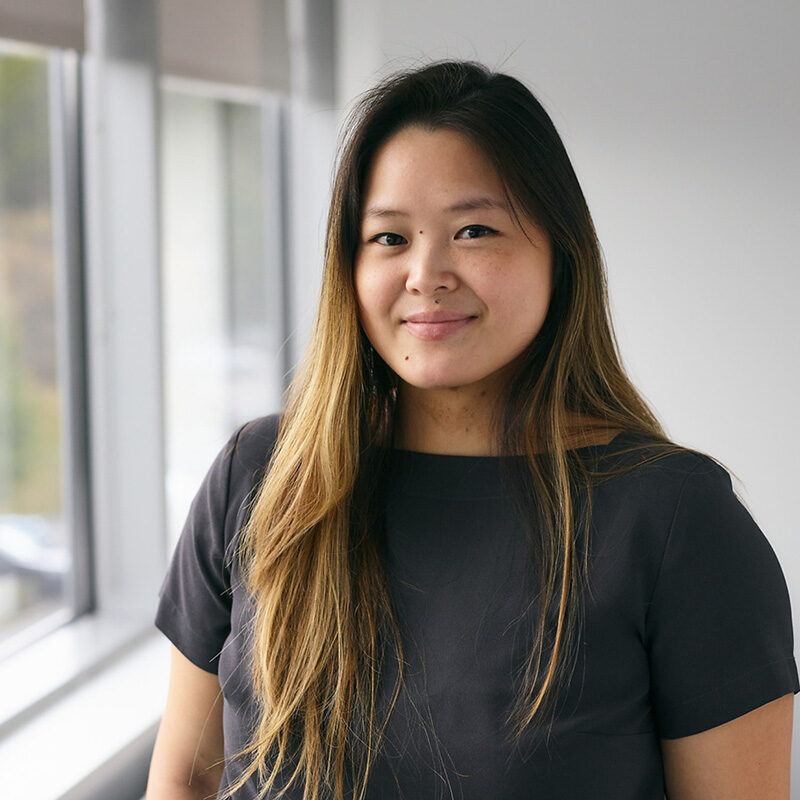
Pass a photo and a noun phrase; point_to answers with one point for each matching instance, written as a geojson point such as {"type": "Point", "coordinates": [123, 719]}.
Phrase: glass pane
{"type": "Point", "coordinates": [221, 298]}
{"type": "Point", "coordinates": [35, 557]}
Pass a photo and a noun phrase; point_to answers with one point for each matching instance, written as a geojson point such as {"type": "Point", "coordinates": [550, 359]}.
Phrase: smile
{"type": "Point", "coordinates": [436, 330]}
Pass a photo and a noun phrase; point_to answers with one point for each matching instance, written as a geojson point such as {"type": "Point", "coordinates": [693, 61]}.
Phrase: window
{"type": "Point", "coordinates": [36, 525]}
{"type": "Point", "coordinates": [221, 277]}
{"type": "Point", "coordinates": [104, 236]}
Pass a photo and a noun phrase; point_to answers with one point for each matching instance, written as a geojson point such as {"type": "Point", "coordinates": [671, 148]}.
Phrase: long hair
{"type": "Point", "coordinates": [310, 549]}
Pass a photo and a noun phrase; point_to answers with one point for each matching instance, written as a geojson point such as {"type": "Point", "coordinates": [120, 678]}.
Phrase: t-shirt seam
{"type": "Point", "coordinates": [667, 540]}
{"type": "Point", "coordinates": [166, 596]}
{"type": "Point", "coordinates": [178, 631]}
{"type": "Point", "coordinates": [724, 684]}
{"type": "Point", "coordinates": [235, 436]}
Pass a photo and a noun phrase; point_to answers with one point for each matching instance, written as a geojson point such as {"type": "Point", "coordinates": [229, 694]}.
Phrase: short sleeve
{"type": "Point", "coordinates": [719, 625]}
{"type": "Point", "coordinates": [194, 607]}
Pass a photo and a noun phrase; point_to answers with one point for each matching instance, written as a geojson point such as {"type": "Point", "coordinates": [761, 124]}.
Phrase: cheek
{"type": "Point", "coordinates": [521, 299]}
{"type": "Point", "coordinates": [373, 295]}
{"type": "Point", "coordinates": [362, 280]}
{"type": "Point", "coordinates": [373, 276]}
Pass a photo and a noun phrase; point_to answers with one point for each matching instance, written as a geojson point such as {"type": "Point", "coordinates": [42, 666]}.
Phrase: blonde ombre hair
{"type": "Point", "coordinates": [310, 549]}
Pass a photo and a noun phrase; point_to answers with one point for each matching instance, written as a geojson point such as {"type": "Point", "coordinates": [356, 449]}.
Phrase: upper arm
{"type": "Point", "coordinates": [189, 746]}
{"type": "Point", "coordinates": [718, 625]}
{"type": "Point", "coordinates": [746, 758]}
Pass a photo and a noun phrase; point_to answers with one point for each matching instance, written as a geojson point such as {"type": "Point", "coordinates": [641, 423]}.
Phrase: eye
{"type": "Point", "coordinates": [491, 231]}
{"type": "Point", "coordinates": [481, 227]}
{"type": "Point", "coordinates": [378, 236]}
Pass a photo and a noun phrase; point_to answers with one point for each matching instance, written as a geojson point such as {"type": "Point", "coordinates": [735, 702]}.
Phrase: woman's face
{"type": "Point", "coordinates": [423, 258]}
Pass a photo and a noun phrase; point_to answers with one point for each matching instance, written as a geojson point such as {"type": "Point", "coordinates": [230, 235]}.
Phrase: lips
{"type": "Point", "coordinates": [437, 316]}
{"type": "Point", "coordinates": [436, 330]}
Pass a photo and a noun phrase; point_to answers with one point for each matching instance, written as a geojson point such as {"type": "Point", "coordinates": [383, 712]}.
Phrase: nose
{"type": "Point", "coordinates": [428, 271]}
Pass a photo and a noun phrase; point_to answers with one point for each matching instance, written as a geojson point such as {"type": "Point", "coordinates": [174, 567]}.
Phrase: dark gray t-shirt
{"type": "Point", "coordinates": [688, 624]}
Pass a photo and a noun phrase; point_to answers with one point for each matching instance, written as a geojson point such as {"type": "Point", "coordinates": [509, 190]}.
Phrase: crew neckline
{"type": "Point", "coordinates": [402, 452]}
{"type": "Point", "coordinates": [446, 476]}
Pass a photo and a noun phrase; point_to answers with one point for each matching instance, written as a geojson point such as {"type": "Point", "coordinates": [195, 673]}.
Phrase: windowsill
{"type": "Point", "coordinates": [99, 696]}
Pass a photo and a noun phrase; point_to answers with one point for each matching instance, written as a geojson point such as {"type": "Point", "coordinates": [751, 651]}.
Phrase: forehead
{"type": "Point", "coordinates": [382, 210]}
{"type": "Point", "coordinates": [439, 169]}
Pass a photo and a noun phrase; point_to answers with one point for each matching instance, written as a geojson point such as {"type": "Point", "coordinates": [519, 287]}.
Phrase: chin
{"type": "Point", "coordinates": [438, 381]}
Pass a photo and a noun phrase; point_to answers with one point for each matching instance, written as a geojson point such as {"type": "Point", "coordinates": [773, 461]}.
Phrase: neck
{"type": "Point", "coordinates": [457, 421]}
{"type": "Point", "coordinates": [447, 421]}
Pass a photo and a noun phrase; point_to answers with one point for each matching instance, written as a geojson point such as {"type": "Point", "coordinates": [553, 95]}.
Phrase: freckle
{"type": "Point", "coordinates": [406, 358]}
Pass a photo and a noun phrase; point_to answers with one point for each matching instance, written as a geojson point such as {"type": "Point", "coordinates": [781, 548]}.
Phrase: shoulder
{"type": "Point", "coordinates": [257, 435]}
{"type": "Point", "coordinates": [253, 445]}
{"type": "Point", "coordinates": [670, 462]}
{"type": "Point", "coordinates": [689, 500]}
{"type": "Point", "coordinates": [250, 449]}
{"type": "Point", "coordinates": [652, 484]}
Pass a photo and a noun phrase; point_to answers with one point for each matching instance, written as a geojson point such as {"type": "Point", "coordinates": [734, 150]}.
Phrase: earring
{"type": "Point", "coordinates": [369, 360]}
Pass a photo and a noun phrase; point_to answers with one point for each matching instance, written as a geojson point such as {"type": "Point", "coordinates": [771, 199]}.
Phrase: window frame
{"type": "Point", "coordinates": [118, 562]}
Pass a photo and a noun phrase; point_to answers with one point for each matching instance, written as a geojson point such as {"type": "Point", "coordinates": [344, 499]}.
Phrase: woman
{"type": "Point", "coordinates": [466, 561]}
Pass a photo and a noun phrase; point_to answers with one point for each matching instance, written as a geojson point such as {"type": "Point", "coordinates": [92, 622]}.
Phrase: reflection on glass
{"type": "Point", "coordinates": [35, 558]}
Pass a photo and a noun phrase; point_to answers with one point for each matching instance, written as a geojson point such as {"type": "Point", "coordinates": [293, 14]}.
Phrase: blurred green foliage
{"type": "Point", "coordinates": [30, 449]}
{"type": "Point", "coordinates": [24, 140]}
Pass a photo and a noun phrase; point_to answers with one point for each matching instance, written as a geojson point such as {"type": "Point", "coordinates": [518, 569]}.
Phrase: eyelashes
{"type": "Point", "coordinates": [490, 232]}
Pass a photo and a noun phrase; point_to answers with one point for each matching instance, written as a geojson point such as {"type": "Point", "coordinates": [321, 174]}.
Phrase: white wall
{"type": "Point", "coordinates": [682, 122]}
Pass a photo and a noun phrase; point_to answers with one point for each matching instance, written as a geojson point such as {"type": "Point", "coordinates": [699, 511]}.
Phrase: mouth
{"type": "Point", "coordinates": [436, 330]}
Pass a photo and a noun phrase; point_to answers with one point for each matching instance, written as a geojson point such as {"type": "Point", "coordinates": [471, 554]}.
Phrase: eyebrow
{"type": "Point", "coordinates": [468, 204]}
